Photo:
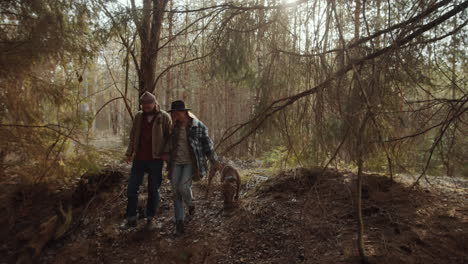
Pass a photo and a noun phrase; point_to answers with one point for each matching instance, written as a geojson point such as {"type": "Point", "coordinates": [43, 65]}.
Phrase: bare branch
{"type": "Point", "coordinates": [48, 126]}
{"type": "Point", "coordinates": [282, 103]}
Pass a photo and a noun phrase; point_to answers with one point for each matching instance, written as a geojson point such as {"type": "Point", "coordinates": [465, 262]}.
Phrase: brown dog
{"type": "Point", "coordinates": [230, 184]}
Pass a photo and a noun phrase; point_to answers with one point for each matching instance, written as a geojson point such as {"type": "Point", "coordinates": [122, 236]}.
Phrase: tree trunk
{"type": "Point", "coordinates": [169, 58]}
{"type": "Point", "coordinates": [357, 11]}
{"type": "Point", "coordinates": [185, 81]}
{"type": "Point", "coordinates": [149, 31]}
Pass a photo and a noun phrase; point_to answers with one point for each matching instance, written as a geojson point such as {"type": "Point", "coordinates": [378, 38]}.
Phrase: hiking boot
{"type": "Point", "coordinates": [191, 210]}
{"type": "Point", "coordinates": [151, 224]}
{"type": "Point", "coordinates": [128, 224]}
{"type": "Point", "coordinates": [179, 228]}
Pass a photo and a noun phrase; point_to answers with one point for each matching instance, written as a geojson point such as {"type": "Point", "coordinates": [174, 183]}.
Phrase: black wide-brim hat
{"type": "Point", "coordinates": [178, 105]}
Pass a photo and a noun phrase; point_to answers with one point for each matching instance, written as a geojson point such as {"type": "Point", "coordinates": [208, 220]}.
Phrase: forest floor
{"type": "Point", "coordinates": [296, 216]}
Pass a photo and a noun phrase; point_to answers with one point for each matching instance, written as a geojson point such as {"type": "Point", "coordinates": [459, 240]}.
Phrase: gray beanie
{"type": "Point", "coordinates": [147, 98]}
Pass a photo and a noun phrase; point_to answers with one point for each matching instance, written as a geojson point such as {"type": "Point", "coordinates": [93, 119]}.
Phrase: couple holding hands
{"type": "Point", "coordinates": [178, 138]}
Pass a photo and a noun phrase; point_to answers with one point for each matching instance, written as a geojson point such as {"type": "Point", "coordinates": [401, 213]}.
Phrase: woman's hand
{"type": "Point", "coordinates": [165, 156]}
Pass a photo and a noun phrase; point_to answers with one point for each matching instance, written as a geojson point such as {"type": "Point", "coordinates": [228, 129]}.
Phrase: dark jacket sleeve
{"type": "Point", "coordinates": [167, 125]}
{"type": "Point", "coordinates": [167, 128]}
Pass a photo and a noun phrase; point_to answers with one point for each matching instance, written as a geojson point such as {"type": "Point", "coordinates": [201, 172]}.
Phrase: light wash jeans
{"type": "Point", "coordinates": [181, 182]}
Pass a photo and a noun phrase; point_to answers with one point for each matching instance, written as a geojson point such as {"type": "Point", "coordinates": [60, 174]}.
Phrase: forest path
{"type": "Point", "coordinates": [207, 238]}
{"type": "Point", "coordinates": [296, 216]}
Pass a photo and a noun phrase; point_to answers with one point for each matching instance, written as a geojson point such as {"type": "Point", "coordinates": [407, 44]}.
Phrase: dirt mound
{"type": "Point", "coordinates": [295, 181]}
{"type": "Point", "coordinates": [37, 214]}
{"type": "Point", "coordinates": [306, 216]}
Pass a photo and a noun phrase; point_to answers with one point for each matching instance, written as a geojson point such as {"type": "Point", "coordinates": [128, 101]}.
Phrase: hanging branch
{"type": "Point", "coordinates": [104, 105]}
{"type": "Point", "coordinates": [358, 76]}
{"type": "Point", "coordinates": [404, 24]}
{"type": "Point", "coordinates": [448, 121]}
{"type": "Point", "coordinates": [48, 126]}
{"type": "Point", "coordinates": [128, 46]}
{"type": "Point", "coordinates": [127, 106]}
{"type": "Point", "coordinates": [282, 103]}
{"type": "Point", "coordinates": [184, 30]}
{"type": "Point", "coordinates": [231, 6]}
{"type": "Point", "coordinates": [456, 116]}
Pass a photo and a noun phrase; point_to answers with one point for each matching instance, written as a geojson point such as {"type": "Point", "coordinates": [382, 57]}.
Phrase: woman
{"type": "Point", "coordinates": [190, 147]}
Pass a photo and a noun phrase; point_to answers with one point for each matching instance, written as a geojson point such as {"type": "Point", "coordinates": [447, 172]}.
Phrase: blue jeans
{"type": "Point", "coordinates": [139, 167]}
{"type": "Point", "coordinates": [181, 181]}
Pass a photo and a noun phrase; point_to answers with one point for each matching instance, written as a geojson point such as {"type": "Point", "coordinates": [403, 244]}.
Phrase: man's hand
{"type": "Point", "coordinates": [128, 159]}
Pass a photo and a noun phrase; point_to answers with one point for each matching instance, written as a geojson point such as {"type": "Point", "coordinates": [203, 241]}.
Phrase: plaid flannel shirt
{"type": "Point", "coordinates": [200, 143]}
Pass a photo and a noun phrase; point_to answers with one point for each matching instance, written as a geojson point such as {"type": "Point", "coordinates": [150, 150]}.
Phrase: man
{"type": "Point", "coordinates": [190, 147]}
{"type": "Point", "coordinates": [150, 131]}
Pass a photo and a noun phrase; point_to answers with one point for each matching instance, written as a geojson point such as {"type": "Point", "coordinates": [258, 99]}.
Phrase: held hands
{"type": "Point", "coordinates": [216, 164]}
{"type": "Point", "coordinates": [128, 159]}
{"type": "Point", "coordinates": [165, 157]}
